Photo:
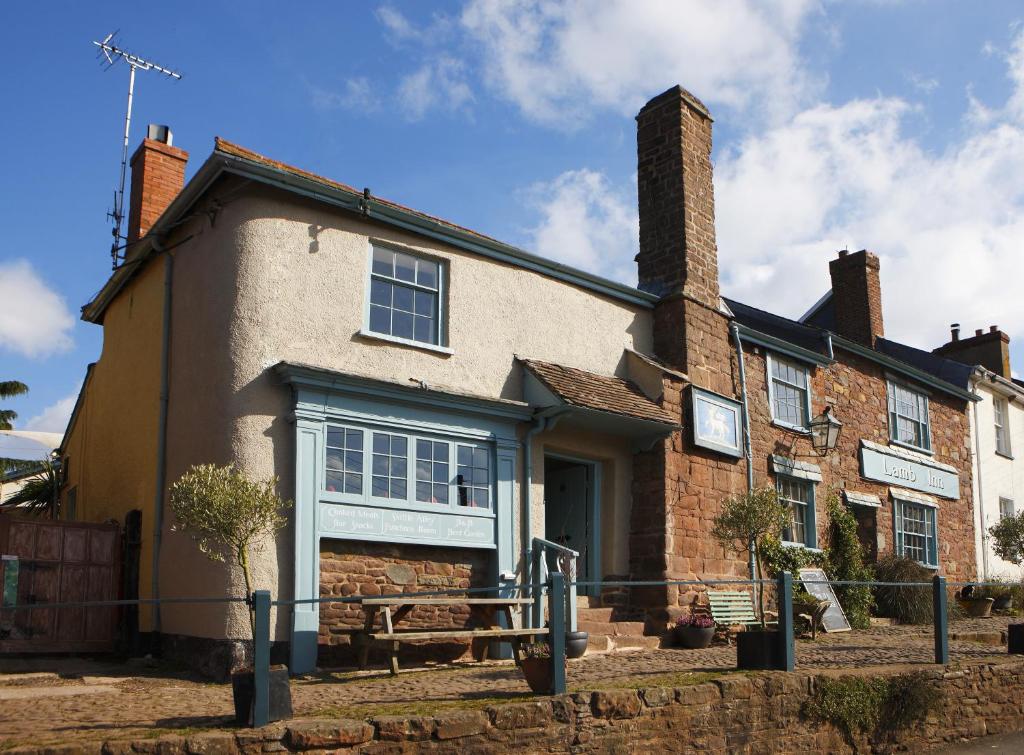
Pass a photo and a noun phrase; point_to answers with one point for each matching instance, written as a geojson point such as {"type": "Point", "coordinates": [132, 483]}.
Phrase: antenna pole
{"type": "Point", "coordinates": [118, 212]}
{"type": "Point", "coordinates": [111, 53]}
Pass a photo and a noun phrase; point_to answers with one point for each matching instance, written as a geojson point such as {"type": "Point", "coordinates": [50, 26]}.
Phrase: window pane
{"type": "Point", "coordinates": [423, 492]}
{"type": "Point", "coordinates": [441, 493]}
{"type": "Point", "coordinates": [380, 292]}
{"type": "Point", "coordinates": [383, 262]}
{"type": "Point", "coordinates": [380, 319]}
{"type": "Point", "coordinates": [426, 273]}
{"type": "Point", "coordinates": [335, 437]}
{"type": "Point", "coordinates": [334, 458]}
{"type": "Point", "coordinates": [380, 486]}
{"type": "Point", "coordinates": [335, 482]}
{"type": "Point", "coordinates": [380, 464]}
{"type": "Point", "coordinates": [403, 298]}
{"type": "Point", "coordinates": [465, 455]}
{"type": "Point", "coordinates": [398, 445]}
{"type": "Point", "coordinates": [354, 439]}
{"type": "Point", "coordinates": [354, 461]}
{"type": "Point", "coordinates": [425, 303]}
{"type": "Point", "coordinates": [424, 330]}
{"type": "Point", "coordinates": [441, 472]}
{"type": "Point", "coordinates": [402, 325]}
{"type": "Point", "coordinates": [405, 267]}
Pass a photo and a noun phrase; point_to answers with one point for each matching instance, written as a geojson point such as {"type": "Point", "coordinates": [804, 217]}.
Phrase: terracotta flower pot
{"type": "Point", "coordinates": [977, 608]}
{"type": "Point", "coordinates": [537, 672]}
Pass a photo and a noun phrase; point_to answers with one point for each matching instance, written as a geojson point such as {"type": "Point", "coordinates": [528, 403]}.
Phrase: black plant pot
{"type": "Point", "coordinates": [243, 688]}
{"type": "Point", "coordinates": [695, 638]}
{"type": "Point", "coordinates": [576, 644]}
{"type": "Point", "coordinates": [1003, 603]}
{"type": "Point", "coordinates": [758, 649]}
{"type": "Point", "coordinates": [1015, 638]}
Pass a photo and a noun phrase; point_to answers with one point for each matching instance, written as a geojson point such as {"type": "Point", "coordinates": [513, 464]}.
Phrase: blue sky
{"type": "Point", "coordinates": [896, 126]}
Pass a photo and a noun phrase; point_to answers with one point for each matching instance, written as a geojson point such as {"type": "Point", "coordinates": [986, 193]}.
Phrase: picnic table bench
{"type": "Point", "coordinates": [395, 608]}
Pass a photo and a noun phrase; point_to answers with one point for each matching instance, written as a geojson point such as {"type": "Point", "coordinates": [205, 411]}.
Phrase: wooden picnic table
{"type": "Point", "coordinates": [393, 609]}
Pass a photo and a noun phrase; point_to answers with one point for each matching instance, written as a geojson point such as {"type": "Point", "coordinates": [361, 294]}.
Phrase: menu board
{"type": "Point", "coordinates": [814, 581]}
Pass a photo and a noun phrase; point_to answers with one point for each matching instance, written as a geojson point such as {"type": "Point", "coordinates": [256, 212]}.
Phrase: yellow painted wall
{"type": "Point", "coordinates": [111, 449]}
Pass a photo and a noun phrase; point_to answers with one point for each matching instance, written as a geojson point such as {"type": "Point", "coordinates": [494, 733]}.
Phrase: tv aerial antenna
{"type": "Point", "coordinates": [110, 54]}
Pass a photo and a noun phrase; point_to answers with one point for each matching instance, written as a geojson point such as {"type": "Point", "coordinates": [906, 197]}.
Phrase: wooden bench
{"type": "Point", "coordinates": [395, 608]}
{"type": "Point", "coordinates": [729, 607]}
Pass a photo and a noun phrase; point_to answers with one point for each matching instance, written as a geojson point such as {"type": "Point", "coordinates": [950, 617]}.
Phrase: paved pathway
{"type": "Point", "coordinates": [135, 701]}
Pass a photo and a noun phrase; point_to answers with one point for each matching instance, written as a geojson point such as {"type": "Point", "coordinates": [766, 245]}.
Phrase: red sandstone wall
{"type": "Point", "coordinates": [349, 568]}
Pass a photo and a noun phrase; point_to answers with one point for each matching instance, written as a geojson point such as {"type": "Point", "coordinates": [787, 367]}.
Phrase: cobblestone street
{"type": "Point", "coordinates": [95, 700]}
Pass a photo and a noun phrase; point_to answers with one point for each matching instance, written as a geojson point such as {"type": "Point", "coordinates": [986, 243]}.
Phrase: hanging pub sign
{"type": "Point", "coordinates": [715, 422]}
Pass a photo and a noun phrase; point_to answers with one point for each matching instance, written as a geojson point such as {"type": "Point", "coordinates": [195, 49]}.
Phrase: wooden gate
{"type": "Point", "coordinates": [45, 561]}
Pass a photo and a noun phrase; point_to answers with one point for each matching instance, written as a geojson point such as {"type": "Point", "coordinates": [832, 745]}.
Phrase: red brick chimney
{"type": "Point", "coordinates": [158, 175]}
{"type": "Point", "coordinates": [857, 296]}
{"type": "Point", "coordinates": [678, 257]}
{"type": "Point", "coordinates": [991, 350]}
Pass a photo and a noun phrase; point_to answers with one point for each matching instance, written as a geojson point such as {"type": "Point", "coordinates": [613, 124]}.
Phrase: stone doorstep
{"type": "Point", "coordinates": [594, 614]}
{"type": "Point", "coordinates": [614, 628]}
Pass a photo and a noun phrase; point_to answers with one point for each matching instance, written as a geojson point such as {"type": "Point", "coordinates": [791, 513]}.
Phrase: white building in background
{"type": "Point", "coordinates": [997, 440]}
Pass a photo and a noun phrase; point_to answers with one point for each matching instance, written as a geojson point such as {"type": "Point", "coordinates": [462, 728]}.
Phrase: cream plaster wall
{"type": "Point", "coordinates": [279, 278]}
{"type": "Point", "coordinates": [995, 476]}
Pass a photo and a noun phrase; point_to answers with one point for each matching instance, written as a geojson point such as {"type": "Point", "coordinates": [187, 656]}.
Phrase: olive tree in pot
{"type": "Point", "coordinates": [1008, 543]}
{"type": "Point", "coordinates": [743, 526]}
{"type": "Point", "coordinates": [230, 518]}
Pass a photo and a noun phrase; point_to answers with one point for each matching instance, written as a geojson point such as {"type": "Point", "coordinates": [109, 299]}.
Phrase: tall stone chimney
{"type": "Point", "coordinates": [857, 296]}
{"type": "Point", "coordinates": [158, 175]}
{"type": "Point", "coordinates": [678, 257]}
{"type": "Point", "coordinates": [991, 350]}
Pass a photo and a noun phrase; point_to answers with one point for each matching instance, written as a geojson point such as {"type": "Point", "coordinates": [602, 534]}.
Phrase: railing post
{"type": "Point", "coordinates": [939, 619]}
{"type": "Point", "coordinates": [556, 636]}
{"type": "Point", "coordinates": [787, 648]}
{"type": "Point", "coordinates": [571, 591]}
{"type": "Point", "coordinates": [261, 658]}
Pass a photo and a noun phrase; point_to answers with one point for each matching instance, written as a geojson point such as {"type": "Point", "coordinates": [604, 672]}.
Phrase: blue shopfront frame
{"type": "Point", "coordinates": [323, 398]}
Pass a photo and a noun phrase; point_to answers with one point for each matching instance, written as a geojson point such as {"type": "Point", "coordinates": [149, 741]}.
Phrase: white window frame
{"type": "Point", "coordinates": [442, 298]}
{"type": "Point", "coordinates": [810, 511]}
{"type": "Point", "coordinates": [1001, 421]}
{"type": "Point", "coordinates": [894, 416]}
{"type": "Point", "coordinates": [769, 365]}
{"type": "Point", "coordinates": [931, 534]}
{"type": "Point", "coordinates": [1003, 501]}
{"type": "Point", "coordinates": [366, 497]}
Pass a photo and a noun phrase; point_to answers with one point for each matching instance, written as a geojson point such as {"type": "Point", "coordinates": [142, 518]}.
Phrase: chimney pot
{"type": "Point", "coordinates": [954, 331]}
{"type": "Point", "coordinates": [843, 252]}
{"type": "Point", "coordinates": [993, 328]}
{"type": "Point", "coordinates": [991, 350]}
{"type": "Point", "coordinates": [978, 332]}
{"type": "Point", "coordinates": [158, 174]}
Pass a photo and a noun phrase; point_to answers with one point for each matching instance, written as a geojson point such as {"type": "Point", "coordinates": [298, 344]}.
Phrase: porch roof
{"type": "Point", "coordinates": [601, 393]}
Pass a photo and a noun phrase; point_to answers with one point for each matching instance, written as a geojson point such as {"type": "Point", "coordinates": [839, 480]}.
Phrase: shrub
{"type": "Point", "coordinates": [873, 705]}
{"type": "Point", "coordinates": [844, 562]}
{"type": "Point", "coordinates": [227, 514]}
{"type": "Point", "coordinates": [696, 620]}
{"type": "Point", "coordinates": [778, 558]}
{"type": "Point", "coordinates": [910, 604]}
{"type": "Point", "coordinates": [747, 521]}
{"type": "Point", "coordinates": [536, 650]}
{"type": "Point", "coordinates": [1008, 538]}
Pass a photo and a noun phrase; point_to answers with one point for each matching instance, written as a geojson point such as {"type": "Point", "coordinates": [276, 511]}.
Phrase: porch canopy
{"type": "Point", "coordinates": [598, 403]}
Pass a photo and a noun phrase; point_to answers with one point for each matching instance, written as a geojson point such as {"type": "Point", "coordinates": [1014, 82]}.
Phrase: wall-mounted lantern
{"type": "Point", "coordinates": [825, 431]}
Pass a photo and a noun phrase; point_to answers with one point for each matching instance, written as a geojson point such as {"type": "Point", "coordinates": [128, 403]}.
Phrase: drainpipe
{"type": "Point", "coordinates": [981, 495]}
{"type": "Point", "coordinates": [545, 420]}
{"type": "Point", "coordinates": [734, 328]}
{"type": "Point", "coordinates": [161, 438]}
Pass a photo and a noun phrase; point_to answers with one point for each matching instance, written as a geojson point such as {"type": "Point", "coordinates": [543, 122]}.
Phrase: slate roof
{"type": "Point", "coordinates": [810, 334]}
{"type": "Point", "coordinates": [790, 331]}
{"type": "Point", "coordinates": [601, 393]}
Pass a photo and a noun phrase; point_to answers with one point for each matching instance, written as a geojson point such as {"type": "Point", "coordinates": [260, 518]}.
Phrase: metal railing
{"type": "Point", "coordinates": [565, 559]}
{"type": "Point", "coordinates": [559, 592]}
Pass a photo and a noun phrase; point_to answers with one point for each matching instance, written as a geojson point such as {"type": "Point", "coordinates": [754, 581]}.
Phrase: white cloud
{"type": "Point", "coordinates": [558, 61]}
{"type": "Point", "coordinates": [439, 83]}
{"type": "Point", "coordinates": [34, 320]}
{"type": "Point", "coordinates": [587, 223]}
{"type": "Point", "coordinates": [948, 226]}
{"type": "Point", "coordinates": [397, 24]}
{"type": "Point", "coordinates": [54, 418]}
{"type": "Point", "coordinates": [356, 94]}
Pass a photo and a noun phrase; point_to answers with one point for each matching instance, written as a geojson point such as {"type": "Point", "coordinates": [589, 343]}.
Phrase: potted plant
{"type": "Point", "coordinates": [975, 604]}
{"type": "Point", "coordinates": [230, 517]}
{"type": "Point", "coordinates": [536, 666]}
{"type": "Point", "coordinates": [743, 526]}
{"type": "Point", "coordinates": [694, 631]}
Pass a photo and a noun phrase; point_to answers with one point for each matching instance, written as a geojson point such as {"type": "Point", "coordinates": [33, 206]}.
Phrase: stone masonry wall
{"type": "Point", "coordinates": [350, 568]}
{"type": "Point", "coordinates": [736, 714]}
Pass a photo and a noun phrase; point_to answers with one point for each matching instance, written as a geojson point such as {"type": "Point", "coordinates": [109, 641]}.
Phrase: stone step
{"type": "Point", "coordinates": [614, 628]}
{"type": "Point", "coordinates": [635, 643]}
{"type": "Point", "coordinates": [594, 614]}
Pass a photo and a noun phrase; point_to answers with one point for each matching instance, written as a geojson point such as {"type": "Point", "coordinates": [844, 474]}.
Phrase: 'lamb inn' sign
{"type": "Point", "coordinates": [885, 465]}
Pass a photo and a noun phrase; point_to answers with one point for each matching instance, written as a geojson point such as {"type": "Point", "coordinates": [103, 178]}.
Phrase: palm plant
{"type": "Point", "coordinates": [39, 493]}
{"type": "Point", "coordinates": [10, 389]}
